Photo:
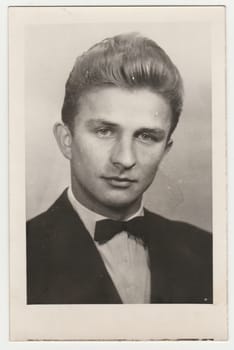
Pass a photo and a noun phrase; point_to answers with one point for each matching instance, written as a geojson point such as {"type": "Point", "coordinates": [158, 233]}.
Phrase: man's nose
{"type": "Point", "coordinates": [123, 154]}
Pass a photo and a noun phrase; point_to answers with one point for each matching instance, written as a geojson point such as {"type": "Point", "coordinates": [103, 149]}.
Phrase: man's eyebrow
{"type": "Point", "coordinates": [157, 131]}
{"type": "Point", "coordinates": [92, 123]}
{"type": "Point", "coordinates": [100, 121]}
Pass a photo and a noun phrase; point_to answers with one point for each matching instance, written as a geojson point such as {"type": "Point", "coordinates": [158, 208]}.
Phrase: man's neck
{"type": "Point", "coordinates": [116, 213]}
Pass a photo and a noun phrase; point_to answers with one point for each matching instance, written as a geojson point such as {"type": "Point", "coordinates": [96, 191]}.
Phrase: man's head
{"type": "Point", "coordinates": [126, 61]}
{"type": "Point", "coordinates": [123, 100]}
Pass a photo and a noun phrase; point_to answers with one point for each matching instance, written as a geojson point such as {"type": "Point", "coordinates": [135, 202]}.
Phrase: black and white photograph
{"type": "Point", "coordinates": [117, 129]}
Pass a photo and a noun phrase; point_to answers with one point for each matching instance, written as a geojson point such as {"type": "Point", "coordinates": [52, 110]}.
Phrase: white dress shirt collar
{"type": "Point", "coordinates": [89, 217]}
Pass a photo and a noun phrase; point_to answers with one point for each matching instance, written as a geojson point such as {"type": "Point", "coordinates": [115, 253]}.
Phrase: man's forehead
{"type": "Point", "coordinates": [119, 105]}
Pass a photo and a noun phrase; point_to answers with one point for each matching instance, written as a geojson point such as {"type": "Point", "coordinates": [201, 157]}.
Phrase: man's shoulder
{"type": "Point", "coordinates": [180, 233]}
{"type": "Point", "coordinates": [183, 254]}
{"type": "Point", "coordinates": [51, 217]}
{"type": "Point", "coordinates": [180, 226]}
{"type": "Point", "coordinates": [59, 203]}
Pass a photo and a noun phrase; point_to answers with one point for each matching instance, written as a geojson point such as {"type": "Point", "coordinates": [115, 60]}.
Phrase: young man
{"type": "Point", "coordinates": [97, 243]}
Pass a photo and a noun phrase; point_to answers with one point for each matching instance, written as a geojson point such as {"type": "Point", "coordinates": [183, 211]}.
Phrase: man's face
{"type": "Point", "coordinates": [119, 138]}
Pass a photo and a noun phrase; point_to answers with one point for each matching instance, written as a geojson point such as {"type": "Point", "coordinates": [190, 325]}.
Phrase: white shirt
{"type": "Point", "coordinates": [125, 257]}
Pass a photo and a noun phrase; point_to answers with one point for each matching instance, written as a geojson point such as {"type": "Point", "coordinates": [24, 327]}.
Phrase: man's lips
{"type": "Point", "coordinates": [118, 181]}
{"type": "Point", "coordinates": [119, 178]}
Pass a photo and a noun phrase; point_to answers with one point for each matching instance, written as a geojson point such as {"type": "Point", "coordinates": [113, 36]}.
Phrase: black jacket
{"type": "Point", "coordinates": [64, 266]}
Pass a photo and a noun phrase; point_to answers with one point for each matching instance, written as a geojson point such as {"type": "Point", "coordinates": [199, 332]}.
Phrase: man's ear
{"type": "Point", "coordinates": [64, 139]}
{"type": "Point", "coordinates": [169, 145]}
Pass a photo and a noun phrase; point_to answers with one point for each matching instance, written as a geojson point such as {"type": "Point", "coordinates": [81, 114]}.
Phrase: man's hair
{"type": "Point", "coordinates": [127, 61]}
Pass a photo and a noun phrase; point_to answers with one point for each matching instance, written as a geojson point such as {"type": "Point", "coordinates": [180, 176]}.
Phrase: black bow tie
{"type": "Point", "coordinates": [106, 229]}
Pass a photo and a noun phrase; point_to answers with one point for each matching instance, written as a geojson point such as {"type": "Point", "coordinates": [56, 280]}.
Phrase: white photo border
{"type": "Point", "coordinates": [217, 329]}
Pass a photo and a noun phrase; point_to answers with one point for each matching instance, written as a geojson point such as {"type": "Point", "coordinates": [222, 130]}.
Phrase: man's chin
{"type": "Point", "coordinates": [120, 203]}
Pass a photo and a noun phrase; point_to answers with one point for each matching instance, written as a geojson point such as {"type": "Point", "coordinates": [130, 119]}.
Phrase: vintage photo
{"type": "Point", "coordinates": [119, 156]}
{"type": "Point", "coordinates": [99, 244]}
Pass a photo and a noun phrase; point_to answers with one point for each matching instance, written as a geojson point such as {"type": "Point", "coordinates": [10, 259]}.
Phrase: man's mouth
{"type": "Point", "coordinates": [119, 181]}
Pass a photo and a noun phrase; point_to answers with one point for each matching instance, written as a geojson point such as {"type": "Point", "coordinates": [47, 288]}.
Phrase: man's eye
{"type": "Point", "coordinates": [147, 138]}
{"type": "Point", "coordinates": [104, 132]}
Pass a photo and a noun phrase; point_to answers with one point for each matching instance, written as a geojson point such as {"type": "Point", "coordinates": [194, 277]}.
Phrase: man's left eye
{"type": "Point", "coordinates": [147, 138]}
{"type": "Point", "coordinates": [104, 132]}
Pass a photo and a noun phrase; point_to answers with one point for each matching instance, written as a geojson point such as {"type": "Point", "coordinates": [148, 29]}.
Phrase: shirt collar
{"type": "Point", "coordinates": [89, 217]}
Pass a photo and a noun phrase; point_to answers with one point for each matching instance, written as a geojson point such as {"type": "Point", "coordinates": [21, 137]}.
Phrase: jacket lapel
{"type": "Point", "coordinates": [179, 255]}
{"type": "Point", "coordinates": [89, 281]}
{"type": "Point", "coordinates": [159, 255]}
{"type": "Point", "coordinates": [87, 269]}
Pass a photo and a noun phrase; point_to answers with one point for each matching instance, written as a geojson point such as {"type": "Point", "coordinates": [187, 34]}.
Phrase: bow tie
{"type": "Point", "coordinates": [106, 229]}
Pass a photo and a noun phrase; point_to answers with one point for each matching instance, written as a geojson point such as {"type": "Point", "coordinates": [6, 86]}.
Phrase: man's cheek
{"type": "Point", "coordinates": [149, 164]}
{"type": "Point", "coordinates": [149, 173]}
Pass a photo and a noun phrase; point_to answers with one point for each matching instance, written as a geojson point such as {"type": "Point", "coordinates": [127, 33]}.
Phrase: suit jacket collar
{"type": "Point", "coordinates": [99, 279]}
{"type": "Point", "coordinates": [159, 251]}
{"type": "Point", "coordinates": [180, 260]}
{"type": "Point", "coordinates": [89, 217]}
{"type": "Point", "coordinates": [96, 283]}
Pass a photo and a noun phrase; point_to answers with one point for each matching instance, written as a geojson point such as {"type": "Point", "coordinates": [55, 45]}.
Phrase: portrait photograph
{"type": "Point", "coordinates": [117, 173]}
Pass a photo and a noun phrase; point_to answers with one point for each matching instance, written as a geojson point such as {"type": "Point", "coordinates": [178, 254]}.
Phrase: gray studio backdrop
{"type": "Point", "coordinates": [183, 186]}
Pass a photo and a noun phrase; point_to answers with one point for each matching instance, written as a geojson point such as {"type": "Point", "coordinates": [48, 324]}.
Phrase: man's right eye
{"type": "Point", "coordinates": [104, 132]}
